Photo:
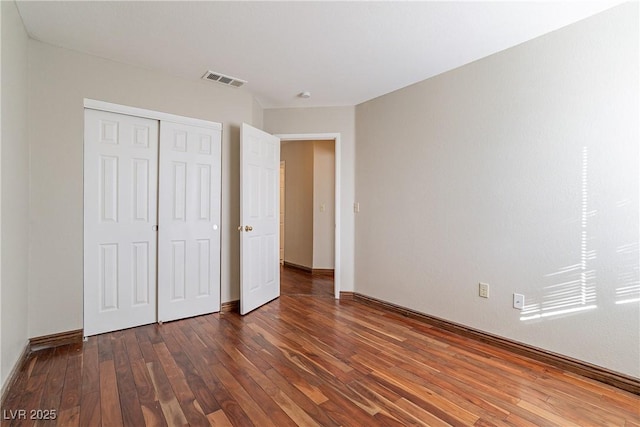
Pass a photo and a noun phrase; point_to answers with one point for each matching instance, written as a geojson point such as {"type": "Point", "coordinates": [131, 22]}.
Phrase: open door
{"type": "Point", "coordinates": [259, 218]}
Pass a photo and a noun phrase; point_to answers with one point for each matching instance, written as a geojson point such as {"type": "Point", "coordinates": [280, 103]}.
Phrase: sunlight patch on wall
{"type": "Point", "coordinates": [628, 290]}
{"type": "Point", "coordinates": [574, 289]}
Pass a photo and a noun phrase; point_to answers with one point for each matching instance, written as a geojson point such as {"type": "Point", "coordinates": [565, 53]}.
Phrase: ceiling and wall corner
{"type": "Point", "coordinates": [344, 53]}
{"type": "Point", "coordinates": [258, 114]}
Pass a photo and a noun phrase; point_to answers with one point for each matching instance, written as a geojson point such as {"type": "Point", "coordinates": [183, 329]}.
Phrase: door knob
{"type": "Point", "coordinates": [240, 228]}
{"type": "Point", "coordinates": [248, 228]}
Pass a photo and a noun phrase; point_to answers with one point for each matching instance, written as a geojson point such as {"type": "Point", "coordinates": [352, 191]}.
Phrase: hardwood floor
{"type": "Point", "coordinates": [301, 283]}
{"type": "Point", "coordinates": [304, 359]}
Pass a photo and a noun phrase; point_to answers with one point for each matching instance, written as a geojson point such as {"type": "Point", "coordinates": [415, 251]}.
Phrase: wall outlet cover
{"type": "Point", "coordinates": [483, 290]}
{"type": "Point", "coordinates": [518, 301]}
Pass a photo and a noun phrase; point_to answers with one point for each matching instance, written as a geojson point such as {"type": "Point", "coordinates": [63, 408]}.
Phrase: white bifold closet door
{"type": "Point", "coordinates": [151, 221]}
{"type": "Point", "coordinates": [189, 217]}
{"type": "Point", "coordinates": [120, 207]}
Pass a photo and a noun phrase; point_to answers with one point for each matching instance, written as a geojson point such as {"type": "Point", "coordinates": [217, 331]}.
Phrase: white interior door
{"type": "Point", "coordinates": [120, 213]}
{"type": "Point", "coordinates": [189, 218]}
{"type": "Point", "coordinates": [259, 218]}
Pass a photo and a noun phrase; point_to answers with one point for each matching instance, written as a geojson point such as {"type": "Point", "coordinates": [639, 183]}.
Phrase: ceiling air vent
{"type": "Point", "coordinates": [221, 78]}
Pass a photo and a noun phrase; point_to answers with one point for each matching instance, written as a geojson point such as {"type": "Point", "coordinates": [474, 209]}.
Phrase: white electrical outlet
{"type": "Point", "coordinates": [483, 290]}
{"type": "Point", "coordinates": [518, 301]}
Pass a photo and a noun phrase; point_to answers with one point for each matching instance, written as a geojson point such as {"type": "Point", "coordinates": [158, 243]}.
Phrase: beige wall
{"type": "Point", "coordinates": [328, 120]}
{"type": "Point", "coordinates": [519, 170]}
{"type": "Point", "coordinates": [59, 81]}
{"type": "Point", "coordinates": [257, 114]}
{"type": "Point", "coordinates": [14, 190]}
{"type": "Point", "coordinates": [298, 216]}
{"type": "Point", "coordinates": [323, 197]}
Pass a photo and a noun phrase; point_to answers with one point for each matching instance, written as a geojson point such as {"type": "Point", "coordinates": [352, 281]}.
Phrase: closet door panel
{"type": "Point", "coordinates": [120, 211]}
{"type": "Point", "coordinates": [189, 221]}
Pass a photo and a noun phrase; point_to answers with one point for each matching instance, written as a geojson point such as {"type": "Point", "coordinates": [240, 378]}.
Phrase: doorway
{"type": "Point", "coordinates": [313, 245]}
{"type": "Point", "coordinates": [282, 208]}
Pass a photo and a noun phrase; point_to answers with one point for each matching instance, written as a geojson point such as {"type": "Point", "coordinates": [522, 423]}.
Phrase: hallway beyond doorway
{"type": "Point", "coordinates": [297, 282]}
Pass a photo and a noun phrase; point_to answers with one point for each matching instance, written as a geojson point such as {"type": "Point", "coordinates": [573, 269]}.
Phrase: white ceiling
{"type": "Point", "coordinates": [344, 53]}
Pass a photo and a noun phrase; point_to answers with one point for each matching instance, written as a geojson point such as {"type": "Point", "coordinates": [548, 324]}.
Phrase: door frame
{"type": "Point", "coordinates": [282, 201]}
{"type": "Point", "coordinates": [337, 174]}
{"type": "Point", "coordinates": [148, 114]}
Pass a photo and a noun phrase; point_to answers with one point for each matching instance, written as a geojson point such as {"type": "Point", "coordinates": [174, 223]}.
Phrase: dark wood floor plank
{"type": "Point", "coordinates": [90, 412]}
{"type": "Point", "coordinates": [42, 363]}
{"type": "Point", "coordinates": [191, 410]}
{"type": "Point", "coordinates": [392, 414]}
{"type": "Point", "coordinates": [203, 362]}
{"type": "Point", "coordinates": [424, 398]}
{"type": "Point", "coordinates": [421, 413]}
{"type": "Point", "coordinates": [242, 397]}
{"type": "Point", "coordinates": [489, 402]}
{"type": "Point", "coordinates": [301, 400]}
{"type": "Point", "coordinates": [160, 405]}
{"type": "Point", "coordinates": [259, 387]}
{"type": "Point", "coordinates": [105, 349]}
{"type": "Point", "coordinates": [178, 345]}
{"type": "Point", "coordinates": [127, 391]}
{"type": "Point", "coordinates": [72, 389]}
{"type": "Point", "coordinates": [466, 405]}
{"type": "Point", "coordinates": [109, 396]}
{"type": "Point", "coordinates": [90, 366]}
{"type": "Point", "coordinates": [219, 419]}
{"type": "Point", "coordinates": [69, 417]}
{"type": "Point", "coordinates": [14, 395]}
{"type": "Point", "coordinates": [298, 377]}
{"type": "Point", "coordinates": [169, 405]}
{"type": "Point", "coordinates": [149, 404]}
{"type": "Point", "coordinates": [131, 343]}
{"type": "Point", "coordinates": [343, 412]}
{"type": "Point", "coordinates": [30, 398]}
{"type": "Point", "coordinates": [306, 359]}
{"type": "Point", "coordinates": [52, 392]}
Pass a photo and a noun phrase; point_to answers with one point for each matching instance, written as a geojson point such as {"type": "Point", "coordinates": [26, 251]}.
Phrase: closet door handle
{"type": "Point", "coordinates": [248, 228]}
{"type": "Point", "coordinates": [154, 228]}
